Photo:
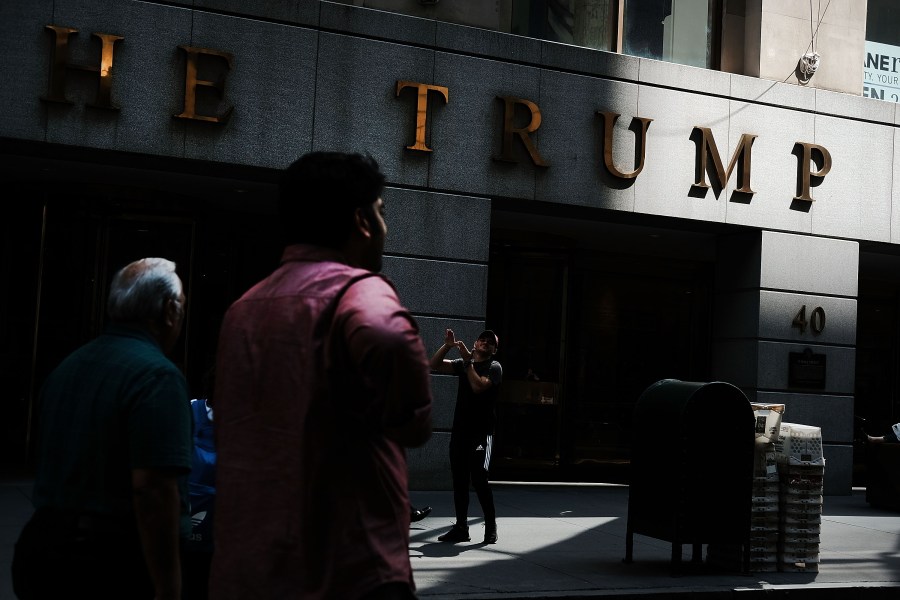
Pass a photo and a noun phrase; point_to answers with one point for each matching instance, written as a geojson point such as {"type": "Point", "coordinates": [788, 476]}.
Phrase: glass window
{"type": "Point", "coordinates": [672, 30]}
{"type": "Point", "coordinates": [882, 17]}
{"type": "Point", "coordinates": [589, 23]}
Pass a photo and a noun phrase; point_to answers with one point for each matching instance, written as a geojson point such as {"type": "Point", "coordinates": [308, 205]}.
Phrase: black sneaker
{"type": "Point", "coordinates": [490, 533]}
{"type": "Point", "coordinates": [417, 514]}
{"type": "Point", "coordinates": [456, 534]}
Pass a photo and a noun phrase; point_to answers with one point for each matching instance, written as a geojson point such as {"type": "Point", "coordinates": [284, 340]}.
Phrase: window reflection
{"type": "Point", "coordinates": [671, 30]}
{"type": "Point", "coordinates": [882, 17]}
{"type": "Point", "coordinates": [588, 23]}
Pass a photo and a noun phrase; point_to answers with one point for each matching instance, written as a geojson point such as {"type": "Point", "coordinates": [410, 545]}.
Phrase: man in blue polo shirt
{"type": "Point", "coordinates": [115, 442]}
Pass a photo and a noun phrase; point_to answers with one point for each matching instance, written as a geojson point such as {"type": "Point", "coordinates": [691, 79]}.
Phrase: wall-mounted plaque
{"type": "Point", "coordinates": [806, 370]}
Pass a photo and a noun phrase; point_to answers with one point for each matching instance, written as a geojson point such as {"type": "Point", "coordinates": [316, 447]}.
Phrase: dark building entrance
{"type": "Point", "coordinates": [592, 315]}
{"type": "Point", "coordinates": [64, 237]}
{"type": "Point", "coordinates": [877, 394]}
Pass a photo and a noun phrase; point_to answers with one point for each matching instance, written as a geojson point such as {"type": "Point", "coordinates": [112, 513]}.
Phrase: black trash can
{"type": "Point", "coordinates": [692, 467]}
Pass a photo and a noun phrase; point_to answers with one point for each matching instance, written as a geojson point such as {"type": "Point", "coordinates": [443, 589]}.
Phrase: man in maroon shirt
{"type": "Point", "coordinates": [322, 382]}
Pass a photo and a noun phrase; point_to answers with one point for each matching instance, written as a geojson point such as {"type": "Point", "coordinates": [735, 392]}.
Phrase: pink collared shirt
{"type": "Point", "coordinates": [311, 481]}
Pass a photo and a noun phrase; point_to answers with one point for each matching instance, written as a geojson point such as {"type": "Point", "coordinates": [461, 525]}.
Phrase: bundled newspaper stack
{"type": "Point", "coordinates": [764, 530]}
{"type": "Point", "coordinates": [764, 526]}
{"type": "Point", "coordinates": [801, 472]}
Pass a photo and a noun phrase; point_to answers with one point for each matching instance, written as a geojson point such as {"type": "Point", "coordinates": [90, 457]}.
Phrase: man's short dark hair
{"type": "Point", "coordinates": [319, 193]}
{"type": "Point", "coordinates": [489, 335]}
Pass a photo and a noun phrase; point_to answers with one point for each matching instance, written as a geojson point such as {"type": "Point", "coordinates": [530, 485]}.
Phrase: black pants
{"type": "Point", "coordinates": [62, 555]}
{"type": "Point", "coordinates": [195, 566]}
{"type": "Point", "coordinates": [469, 462]}
{"type": "Point", "coordinates": [391, 591]}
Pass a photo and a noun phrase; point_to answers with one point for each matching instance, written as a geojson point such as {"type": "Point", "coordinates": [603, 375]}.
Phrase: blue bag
{"type": "Point", "coordinates": [202, 480]}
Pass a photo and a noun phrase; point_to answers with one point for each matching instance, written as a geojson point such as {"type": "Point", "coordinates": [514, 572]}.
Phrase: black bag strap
{"type": "Point", "coordinates": [335, 383]}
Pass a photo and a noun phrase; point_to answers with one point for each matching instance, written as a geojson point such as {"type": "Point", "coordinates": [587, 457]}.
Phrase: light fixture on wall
{"type": "Point", "coordinates": [807, 66]}
{"type": "Point", "coordinates": [809, 62]}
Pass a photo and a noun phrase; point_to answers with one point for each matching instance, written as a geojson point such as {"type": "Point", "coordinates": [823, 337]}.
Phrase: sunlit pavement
{"type": "Point", "coordinates": [569, 541]}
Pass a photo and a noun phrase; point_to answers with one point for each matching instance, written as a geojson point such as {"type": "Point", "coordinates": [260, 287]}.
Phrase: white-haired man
{"type": "Point", "coordinates": [115, 443]}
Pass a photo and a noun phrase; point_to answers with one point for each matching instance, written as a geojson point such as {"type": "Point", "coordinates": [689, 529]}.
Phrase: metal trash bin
{"type": "Point", "coordinates": [692, 467]}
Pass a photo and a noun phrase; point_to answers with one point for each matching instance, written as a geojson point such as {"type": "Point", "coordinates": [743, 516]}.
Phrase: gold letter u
{"type": "Point", "coordinates": [609, 121]}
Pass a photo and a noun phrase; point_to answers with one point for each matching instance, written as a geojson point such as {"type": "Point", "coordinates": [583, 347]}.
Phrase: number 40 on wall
{"type": "Point", "coordinates": [816, 320]}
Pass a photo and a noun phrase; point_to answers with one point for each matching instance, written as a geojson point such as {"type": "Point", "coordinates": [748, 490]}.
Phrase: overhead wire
{"type": "Point", "coordinates": [809, 62]}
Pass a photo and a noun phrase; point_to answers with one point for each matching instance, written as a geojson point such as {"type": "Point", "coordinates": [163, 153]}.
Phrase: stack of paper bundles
{"type": "Point", "coordinates": [801, 471]}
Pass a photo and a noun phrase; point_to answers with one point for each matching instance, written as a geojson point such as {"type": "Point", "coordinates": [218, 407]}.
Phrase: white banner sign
{"type": "Point", "coordinates": [881, 72]}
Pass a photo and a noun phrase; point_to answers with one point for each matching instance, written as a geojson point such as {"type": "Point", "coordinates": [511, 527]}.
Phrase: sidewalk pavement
{"type": "Point", "coordinates": [568, 541]}
{"type": "Point", "coordinates": [561, 540]}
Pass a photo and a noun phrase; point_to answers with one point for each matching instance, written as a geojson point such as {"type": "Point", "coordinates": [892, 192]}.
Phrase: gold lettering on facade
{"type": "Point", "coordinates": [422, 108]}
{"type": "Point", "coordinates": [810, 155]}
{"type": "Point", "coordinates": [509, 109]}
{"type": "Point", "coordinates": [191, 83]}
{"type": "Point", "coordinates": [609, 121]}
{"type": "Point", "coordinates": [806, 158]}
{"type": "Point", "coordinates": [707, 147]}
{"type": "Point", "coordinates": [60, 66]}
